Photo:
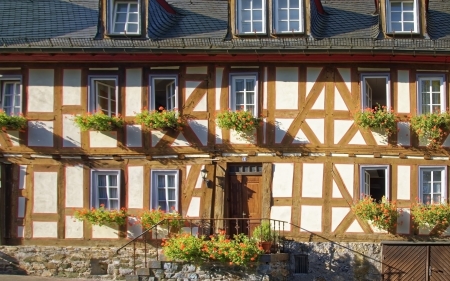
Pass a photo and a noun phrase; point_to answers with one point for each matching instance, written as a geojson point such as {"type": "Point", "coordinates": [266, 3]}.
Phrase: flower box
{"type": "Point", "coordinates": [241, 123]}
{"type": "Point", "coordinates": [380, 135]}
{"type": "Point", "coordinates": [161, 119]}
{"type": "Point", "coordinates": [103, 139]}
{"type": "Point", "coordinates": [431, 127]}
{"type": "Point", "coordinates": [98, 121]}
{"type": "Point", "coordinates": [380, 120]}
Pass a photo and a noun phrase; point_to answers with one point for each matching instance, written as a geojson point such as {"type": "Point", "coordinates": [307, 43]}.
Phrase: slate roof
{"type": "Point", "coordinates": [345, 19]}
{"type": "Point", "coordinates": [438, 19]}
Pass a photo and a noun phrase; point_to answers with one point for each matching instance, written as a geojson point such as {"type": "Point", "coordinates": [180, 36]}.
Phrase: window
{"type": "Point", "coordinates": [375, 90]}
{"type": "Point", "coordinates": [103, 95]}
{"type": "Point", "coordinates": [431, 94]}
{"type": "Point", "coordinates": [433, 184]}
{"type": "Point", "coordinates": [402, 16]}
{"type": "Point", "coordinates": [243, 93]}
{"type": "Point", "coordinates": [165, 190]}
{"type": "Point", "coordinates": [105, 189]}
{"type": "Point", "coordinates": [374, 181]}
{"type": "Point", "coordinates": [11, 95]}
{"type": "Point", "coordinates": [125, 17]}
{"type": "Point", "coordinates": [164, 92]}
{"type": "Point", "coordinates": [288, 16]}
{"type": "Point", "coordinates": [251, 16]}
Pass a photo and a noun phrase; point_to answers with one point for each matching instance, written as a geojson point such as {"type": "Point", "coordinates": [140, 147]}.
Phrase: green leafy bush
{"type": "Point", "coordinates": [380, 117]}
{"type": "Point", "coordinates": [161, 119]}
{"type": "Point", "coordinates": [98, 121]}
{"type": "Point", "coordinates": [264, 232]}
{"type": "Point", "coordinates": [12, 122]}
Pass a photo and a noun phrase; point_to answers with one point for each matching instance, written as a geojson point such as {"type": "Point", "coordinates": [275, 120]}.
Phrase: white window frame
{"type": "Point", "coordinates": [444, 186]}
{"type": "Point", "coordinates": [11, 79]}
{"type": "Point", "coordinates": [388, 17]}
{"type": "Point", "coordinates": [93, 96]}
{"type": "Point", "coordinates": [152, 97]}
{"type": "Point", "coordinates": [232, 89]}
{"type": "Point", "coordinates": [112, 16]}
{"type": "Point", "coordinates": [239, 18]}
{"type": "Point", "coordinates": [363, 168]}
{"type": "Point", "coordinates": [154, 203]}
{"type": "Point", "coordinates": [275, 18]}
{"type": "Point", "coordinates": [423, 77]}
{"type": "Point", "coordinates": [94, 187]}
{"type": "Point", "coordinates": [364, 76]}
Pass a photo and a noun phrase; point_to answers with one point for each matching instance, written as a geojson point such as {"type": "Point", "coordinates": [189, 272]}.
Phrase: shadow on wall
{"type": "Point", "coordinates": [10, 265]}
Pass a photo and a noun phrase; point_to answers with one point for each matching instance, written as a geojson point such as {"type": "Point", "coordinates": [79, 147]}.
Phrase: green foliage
{"type": "Point", "coordinates": [381, 117]}
{"type": "Point", "coordinates": [431, 126]}
{"type": "Point", "coordinates": [149, 218]}
{"type": "Point", "coordinates": [382, 215]}
{"type": "Point", "coordinates": [102, 216]}
{"type": "Point", "coordinates": [184, 247]}
{"type": "Point", "coordinates": [12, 122]}
{"type": "Point", "coordinates": [161, 119]}
{"type": "Point", "coordinates": [264, 232]}
{"type": "Point", "coordinates": [98, 121]}
{"type": "Point", "coordinates": [436, 215]}
{"type": "Point", "coordinates": [241, 121]}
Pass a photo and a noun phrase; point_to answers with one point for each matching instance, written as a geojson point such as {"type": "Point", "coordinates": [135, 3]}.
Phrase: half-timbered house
{"type": "Point", "coordinates": [303, 66]}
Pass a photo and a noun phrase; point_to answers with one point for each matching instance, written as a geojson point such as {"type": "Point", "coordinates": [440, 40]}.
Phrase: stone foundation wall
{"type": "Point", "coordinates": [327, 261]}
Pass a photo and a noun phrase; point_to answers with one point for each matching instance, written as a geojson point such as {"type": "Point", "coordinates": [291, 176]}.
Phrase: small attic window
{"type": "Point", "coordinates": [125, 17]}
{"type": "Point", "coordinates": [402, 16]}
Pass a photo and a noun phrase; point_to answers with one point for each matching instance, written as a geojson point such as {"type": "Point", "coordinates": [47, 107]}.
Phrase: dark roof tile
{"type": "Point", "coordinates": [438, 19]}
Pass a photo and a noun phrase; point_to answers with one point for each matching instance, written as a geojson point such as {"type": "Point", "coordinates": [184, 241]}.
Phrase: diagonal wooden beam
{"type": "Point", "coordinates": [189, 188]}
{"type": "Point", "coordinates": [167, 139]}
{"type": "Point", "coordinates": [195, 97]}
{"type": "Point", "coordinates": [345, 223]}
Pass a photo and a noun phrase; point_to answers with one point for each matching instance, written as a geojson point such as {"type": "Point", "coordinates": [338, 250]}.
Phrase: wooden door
{"type": "Point", "coordinates": [245, 202]}
{"type": "Point", "coordinates": [404, 262]}
{"type": "Point", "coordinates": [439, 269]}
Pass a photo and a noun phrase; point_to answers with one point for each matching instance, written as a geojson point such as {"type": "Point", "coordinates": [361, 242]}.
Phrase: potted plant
{"type": "Point", "coordinates": [380, 120]}
{"type": "Point", "coordinates": [431, 127]}
{"type": "Point", "coordinates": [12, 124]}
{"type": "Point", "coordinates": [102, 216]}
{"type": "Point", "coordinates": [382, 215]}
{"type": "Point", "coordinates": [161, 119]}
{"type": "Point", "coordinates": [265, 235]}
{"type": "Point", "coordinates": [149, 218]}
{"type": "Point", "coordinates": [242, 121]}
{"type": "Point", "coordinates": [100, 127]}
{"type": "Point", "coordinates": [432, 217]}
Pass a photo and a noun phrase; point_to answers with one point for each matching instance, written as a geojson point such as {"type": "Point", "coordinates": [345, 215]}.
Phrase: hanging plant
{"type": "Point", "coordinates": [382, 215]}
{"type": "Point", "coordinates": [12, 122]}
{"type": "Point", "coordinates": [431, 126]}
{"type": "Point", "coordinates": [378, 118]}
{"type": "Point", "coordinates": [242, 121]}
{"type": "Point", "coordinates": [161, 119]}
{"type": "Point", "coordinates": [149, 218]}
{"type": "Point", "coordinates": [98, 121]}
{"type": "Point", "coordinates": [102, 216]}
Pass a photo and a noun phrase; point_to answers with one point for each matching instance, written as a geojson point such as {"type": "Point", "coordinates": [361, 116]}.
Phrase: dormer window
{"type": "Point", "coordinates": [288, 16]}
{"type": "Point", "coordinates": [125, 18]}
{"type": "Point", "coordinates": [251, 16]}
{"type": "Point", "coordinates": [402, 16]}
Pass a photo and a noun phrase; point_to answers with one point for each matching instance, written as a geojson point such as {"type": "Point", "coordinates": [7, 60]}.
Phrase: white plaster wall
{"type": "Point", "coordinates": [190, 87]}
{"type": "Point", "coordinates": [337, 215]}
{"type": "Point", "coordinates": [156, 136]}
{"type": "Point", "coordinates": [265, 88]}
{"type": "Point", "coordinates": [200, 128]}
{"type": "Point", "coordinates": [311, 218]}
{"type": "Point", "coordinates": [300, 137]}
{"type": "Point", "coordinates": [219, 138]}
{"type": "Point", "coordinates": [318, 127]}
{"type": "Point", "coordinates": [403, 134]}
{"type": "Point", "coordinates": [404, 221]}
{"type": "Point", "coordinates": [281, 213]}
{"type": "Point", "coordinates": [45, 229]}
{"type": "Point", "coordinates": [74, 186]}
{"type": "Point", "coordinates": [40, 133]}
{"type": "Point", "coordinates": [180, 141]}
{"type": "Point", "coordinates": [403, 182]}
{"type": "Point", "coordinates": [312, 180]}
{"type": "Point", "coordinates": [71, 87]}
{"type": "Point", "coordinates": [133, 229]}
{"type": "Point", "coordinates": [346, 171]}
{"type": "Point", "coordinates": [20, 231]}
{"type": "Point", "coordinates": [357, 139]}
{"type": "Point", "coordinates": [70, 132]}
{"type": "Point", "coordinates": [106, 139]}
{"type": "Point", "coordinates": [286, 87]}
{"type": "Point", "coordinates": [236, 138]}
{"type": "Point", "coordinates": [194, 208]}
{"type": "Point", "coordinates": [281, 127]}
{"type": "Point", "coordinates": [336, 193]}
{"type": "Point", "coordinates": [134, 135]}
{"type": "Point", "coordinates": [202, 104]}
{"type": "Point", "coordinates": [320, 101]}
{"type": "Point", "coordinates": [45, 195]}
{"type": "Point", "coordinates": [403, 91]}
{"type": "Point", "coordinates": [135, 187]}
{"type": "Point", "coordinates": [14, 137]}
{"type": "Point", "coordinates": [22, 176]}
{"type": "Point", "coordinates": [345, 74]}
{"type": "Point", "coordinates": [74, 228]}
{"type": "Point", "coordinates": [188, 169]}
{"type": "Point", "coordinates": [199, 182]}
{"type": "Point", "coordinates": [219, 77]}
{"type": "Point", "coordinates": [283, 176]}
{"type": "Point", "coordinates": [339, 103]}
{"type": "Point", "coordinates": [340, 128]}
{"type": "Point", "coordinates": [355, 227]}
{"type": "Point", "coordinates": [197, 70]}
{"type": "Point", "coordinates": [133, 91]}
{"type": "Point", "coordinates": [21, 207]}
{"type": "Point", "coordinates": [105, 231]}
{"type": "Point", "coordinates": [40, 90]}
{"type": "Point", "coordinates": [311, 76]}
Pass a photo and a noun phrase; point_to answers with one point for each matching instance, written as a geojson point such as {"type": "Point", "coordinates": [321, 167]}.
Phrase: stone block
{"type": "Point", "coordinates": [154, 264]}
{"type": "Point", "coordinates": [144, 271]}
{"type": "Point", "coordinates": [132, 278]}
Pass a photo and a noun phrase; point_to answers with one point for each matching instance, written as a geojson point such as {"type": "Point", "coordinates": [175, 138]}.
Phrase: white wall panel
{"type": "Point", "coordinates": [404, 182]}
{"type": "Point", "coordinates": [70, 132]}
{"type": "Point", "coordinates": [106, 139]}
{"type": "Point", "coordinates": [44, 229]}
{"type": "Point", "coordinates": [40, 90]}
{"type": "Point", "coordinates": [133, 91]}
{"type": "Point", "coordinates": [286, 87]}
{"type": "Point", "coordinates": [346, 171]}
{"type": "Point", "coordinates": [281, 127]}
{"type": "Point", "coordinates": [403, 221]}
{"type": "Point", "coordinates": [20, 231]}
{"type": "Point", "coordinates": [74, 228]}
{"type": "Point", "coordinates": [357, 139]}
{"type": "Point", "coordinates": [311, 76]}
{"type": "Point", "coordinates": [180, 141]}
{"type": "Point", "coordinates": [403, 134]}
{"type": "Point", "coordinates": [200, 128]}
{"type": "Point", "coordinates": [190, 87]}
{"type": "Point", "coordinates": [156, 136]}
{"type": "Point", "coordinates": [346, 76]}
{"type": "Point", "coordinates": [105, 231]}
{"type": "Point", "coordinates": [336, 193]}
{"type": "Point", "coordinates": [219, 139]}
{"type": "Point", "coordinates": [311, 218]}
{"type": "Point", "coordinates": [265, 88]}
{"type": "Point", "coordinates": [194, 208]}
{"type": "Point", "coordinates": [283, 176]}
{"type": "Point", "coordinates": [355, 227]}
{"type": "Point", "coordinates": [21, 207]}
{"type": "Point", "coordinates": [45, 193]}
{"type": "Point", "coordinates": [312, 180]}
{"type": "Point", "coordinates": [135, 187]}
{"type": "Point", "coordinates": [202, 104]}
{"type": "Point", "coordinates": [339, 103]}
{"type": "Point", "coordinates": [71, 87]}
{"type": "Point", "coordinates": [74, 186]}
{"type": "Point", "coordinates": [340, 128]}
{"type": "Point", "coordinates": [133, 228]}
{"type": "Point", "coordinates": [22, 176]}
{"type": "Point", "coordinates": [337, 215]}
{"type": "Point", "coordinates": [318, 128]}
{"type": "Point", "coordinates": [40, 133]}
{"type": "Point", "coordinates": [219, 77]}
{"type": "Point", "coordinates": [403, 94]}
{"type": "Point", "coordinates": [281, 213]}
{"type": "Point", "coordinates": [134, 135]}
{"type": "Point", "coordinates": [319, 104]}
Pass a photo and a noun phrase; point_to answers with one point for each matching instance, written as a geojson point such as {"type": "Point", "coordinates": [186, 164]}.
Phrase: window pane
{"type": "Point", "coordinates": [239, 98]}
{"type": "Point", "coordinates": [172, 206]}
{"type": "Point", "coordinates": [425, 98]}
{"type": "Point", "coordinates": [426, 199]}
{"type": "Point", "coordinates": [250, 83]}
{"type": "Point", "coordinates": [396, 16]}
{"type": "Point", "coordinates": [426, 188]}
{"type": "Point", "coordinates": [163, 206]}
{"type": "Point", "coordinates": [119, 27]}
{"type": "Point", "coordinates": [436, 198]}
{"type": "Point", "coordinates": [250, 98]}
{"type": "Point", "coordinates": [7, 101]}
{"type": "Point", "coordinates": [132, 28]}
{"type": "Point", "coordinates": [171, 181]}
{"type": "Point", "coordinates": [257, 26]}
{"type": "Point", "coordinates": [251, 108]}
{"type": "Point", "coordinates": [425, 85]}
{"type": "Point", "coordinates": [282, 14]}
{"type": "Point", "coordinates": [408, 6]}
{"type": "Point", "coordinates": [133, 8]}
{"type": "Point", "coordinates": [114, 204]}
{"type": "Point", "coordinates": [294, 14]}
{"type": "Point", "coordinates": [161, 194]}
{"type": "Point", "coordinates": [102, 192]}
{"type": "Point", "coordinates": [437, 176]}
{"type": "Point", "coordinates": [113, 193]}
{"type": "Point", "coordinates": [101, 180]}
{"type": "Point", "coordinates": [436, 188]}
{"type": "Point", "coordinates": [239, 84]}
{"type": "Point", "coordinates": [396, 6]}
{"type": "Point", "coordinates": [247, 15]}
{"type": "Point", "coordinates": [121, 18]}
{"type": "Point", "coordinates": [122, 8]}
{"type": "Point", "coordinates": [103, 202]}
{"type": "Point", "coordinates": [282, 26]}
{"type": "Point", "coordinates": [246, 4]}
{"type": "Point", "coordinates": [427, 176]}
{"type": "Point", "coordinates": [436, 86]}
{"type": "Point", "coordinates": [257, 15]}
{"type": "Point", "coordinates": [294, 26]}
{"type": "Point", "coordinates": [171, 194]}
{"type": "Point", "coordinates": [436, 98]}
{"type": "Point", "coordinates": [257, 4]}
{"type": "Point", "coordinates": [246, 27]}
{"type": "Point", "coordinates": [282, 4]}
{"type": "Point", "coordinates": [133, 18]}
{"type": "Point", "coordinates": [396, 26]}
{"type": "Point", "coordinates": [161, 181]}
{"type": "Point", "coordinates": [409, 16]}
{"type": "Point", "coordinates": [112, 180]}
{"type": "Point", "coordinates": [408, 27]}
{"type": "Point", "coordinates": [294, 4]}
{"type": "Point", "coordinates": [17, 100]}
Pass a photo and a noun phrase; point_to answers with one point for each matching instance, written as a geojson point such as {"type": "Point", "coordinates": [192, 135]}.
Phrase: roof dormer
{"type": "Point", "coordinates": [402, 17]}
